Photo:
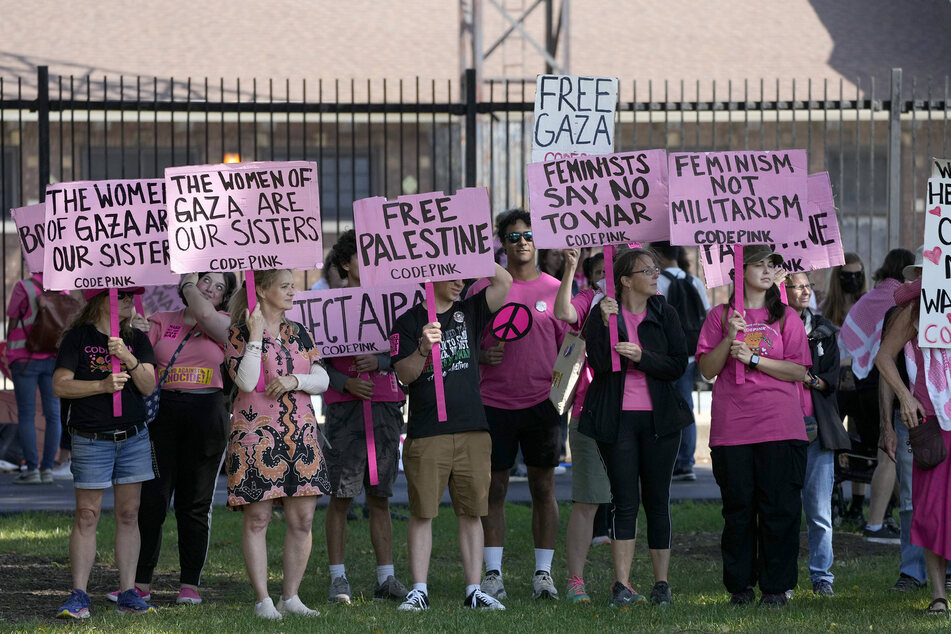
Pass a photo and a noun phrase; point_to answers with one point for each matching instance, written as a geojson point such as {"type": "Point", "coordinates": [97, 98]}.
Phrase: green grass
{"type": "Point", "coordinates": [33, 589]}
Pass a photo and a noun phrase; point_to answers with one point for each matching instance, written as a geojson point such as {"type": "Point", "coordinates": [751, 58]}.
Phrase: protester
{"type": "Point", "coordinates": [757, 434]}
{"type": "Point", "coordinates": [107, 449]}
{"type": "Point", "coordinates": [330, 277]}
{"type": "Point", "coordinates": [929, 399]}
{"type": "Point", "coordinates": [593, 267]}
{"type": "Point", "coordinates": [455, 452]}
{"type": "Point", "coordinates": [823, 428]}
{"type": "Point", "coordinates": [847, 283]}
{"type": "Point", "coordinates": [524, 418]}
{"type": "Point", "coordinates": [353, 380]}
{"type": "Point", "coordinates": [636, 415]}
{"type": "Point", "coordinates": [590, 487]}
{"type": "Point", "coordinates": [552, 262]}
{"type": "Point", "coordinates": [189, 432]}
{"type": "Point", "coordinates": [859, 340]}
{"type": "Point", "coordinates": [273, 453]}
{"type": "Point", "coordinates": [31, 370]}
{"type": "Point", "coordinates": [688, 297]}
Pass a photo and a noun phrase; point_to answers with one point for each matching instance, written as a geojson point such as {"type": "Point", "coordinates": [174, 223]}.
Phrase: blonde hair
{"type": "Point", "coordinates": [263, 280]}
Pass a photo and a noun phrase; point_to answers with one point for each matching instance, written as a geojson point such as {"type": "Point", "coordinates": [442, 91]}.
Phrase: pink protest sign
{"type": "Point", "coordinates": [821, 249]}
{"type": "Point", "coordinates": [351, 321]}
{"type": "Point", "coordinates": [934, 320]}
{"type": "Point", "coordinates": [424, 237]}
{"type": "Point", "coordinates": [737, 197]}
{"type": "Point", "coordinates": [29, 221]}
{"type": "Point", "coordinates": [247, 216]}
{"type": "Point", "coordinates": [597, 200]}
{"type": "Point", "coordinates": [159, 299]}
{"type": "Point", "coordinates": [106, 234]}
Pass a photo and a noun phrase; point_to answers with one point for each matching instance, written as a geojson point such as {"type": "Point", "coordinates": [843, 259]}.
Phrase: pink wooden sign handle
{"type": "Point", "coordinates": [738, 301]}
{"type": "Point", "coordinates": [252, 303]}
{"type": "Point", "coordinates": [114, 332]}
{"type": "Point", "coordinates": [371, 439]}
{"type": "Point", "coordinates": [609, 252]}
{"type": "Point", "coordinates": [436, 356]}
{"type": "Point", "coordinates": [782, 294]}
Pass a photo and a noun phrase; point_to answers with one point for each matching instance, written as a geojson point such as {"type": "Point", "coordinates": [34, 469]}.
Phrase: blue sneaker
{"type": "Point", "coordinates": [131, 602]}
{"type": "Point", "coordinates": [76, 606]}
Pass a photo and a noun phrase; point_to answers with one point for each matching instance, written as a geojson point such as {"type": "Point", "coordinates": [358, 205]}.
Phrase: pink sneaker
{"type": "Point", "coordinates": [189, 596]}
{"type": "Point", "coordinates": [146, 596]}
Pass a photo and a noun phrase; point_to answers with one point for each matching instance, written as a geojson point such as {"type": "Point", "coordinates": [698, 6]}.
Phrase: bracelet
{"type": "Point", "coordinates": [420, 351]}
{"type": "Point", "coordinates": [137, 364]}
{"type": "Point", "coordinates": [254, 346]}
{"type": "Point", "coordinates": [182, 287]}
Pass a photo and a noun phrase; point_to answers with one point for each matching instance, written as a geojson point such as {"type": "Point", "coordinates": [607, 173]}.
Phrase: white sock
{"type": "Point", "coordinates": [337, 570]}
{"type": "Point", "coordinates": [543, 557]}
{"type": "Point", "coordinates": [422, 587]}
{"type": "Point", "coordinates": [492, 555]}
{"type": "Point", "coordinates": [382, 572]}
{"type": "Point", "coordinates": [873, 527]}
{"type": "Point", "coordinates": [471, 589]}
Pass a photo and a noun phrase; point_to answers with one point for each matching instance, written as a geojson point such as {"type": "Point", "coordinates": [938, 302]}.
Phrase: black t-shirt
{"type": "Point", "coordinates": [462, 326]}
{"type": "Point", "coordinates": [85, 351]}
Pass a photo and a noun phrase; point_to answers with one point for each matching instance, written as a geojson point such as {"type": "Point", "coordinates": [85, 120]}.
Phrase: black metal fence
{"type": "Point", "coordinates": [390, 138]}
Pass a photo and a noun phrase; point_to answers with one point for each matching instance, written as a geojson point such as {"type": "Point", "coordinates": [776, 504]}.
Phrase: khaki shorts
{"type": "Point", "coordinates": [463, 461]}
{"type": "Point", "coordinates": [589, 480]}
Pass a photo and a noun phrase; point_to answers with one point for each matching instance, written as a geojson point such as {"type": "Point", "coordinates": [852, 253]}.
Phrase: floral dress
{"type": "Point", "coordinates": [273, 450]}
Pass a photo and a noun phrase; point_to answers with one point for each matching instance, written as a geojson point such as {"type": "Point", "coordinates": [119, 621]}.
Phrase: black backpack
{"type": "Point", "coordinates": [685, 299]}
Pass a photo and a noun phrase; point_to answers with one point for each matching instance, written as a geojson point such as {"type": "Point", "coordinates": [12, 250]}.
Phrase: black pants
{"type": "Point", "coordinates": [189, 437]}
{"type": "Point", "coordinates": [640, 465]}
{"type": "Point", "coordinates": [760, 485]}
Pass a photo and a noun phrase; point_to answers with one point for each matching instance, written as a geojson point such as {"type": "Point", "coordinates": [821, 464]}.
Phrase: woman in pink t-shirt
{"type": "Point", "coordinates": [757, 434]}
{"type": "Point", "coordinates": [637, 415]}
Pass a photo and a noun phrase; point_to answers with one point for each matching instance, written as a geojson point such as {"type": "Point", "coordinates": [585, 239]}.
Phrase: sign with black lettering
{"type": "Point", "coordinates": [940, 168]}
{"type": "Point", "coordinates": [106, 234]}
{"type": "Point", "coordinates": [574, 116]}
{"type": "Point", "coordinates": [738, 197]}
{"type": "Point", "coordinates": [934, 321]}
{"type": "Point", "coordinates": [247, 216]}
{"type": "Point", "coordinates": [821, 249]}
{"type": "Point", "coordinates": [29, 221]}
{"type": "Point", "coordinates": [424, 237]}
{"type": "Point", "coordinates": [597, 200]}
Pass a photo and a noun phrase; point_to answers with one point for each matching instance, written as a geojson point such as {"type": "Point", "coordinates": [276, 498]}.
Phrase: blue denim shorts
{"type": "Point", "coordinates": [99, 464]}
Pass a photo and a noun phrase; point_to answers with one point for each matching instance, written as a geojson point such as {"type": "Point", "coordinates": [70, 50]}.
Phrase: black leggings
{"type": "Point", "coordinates": [189, 437]}
{"type": "Point", "coordinates": [640, 463]}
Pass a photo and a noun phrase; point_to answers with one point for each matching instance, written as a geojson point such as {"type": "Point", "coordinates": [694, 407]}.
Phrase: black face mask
{"type": "Point", "coordinates": [851, 282]}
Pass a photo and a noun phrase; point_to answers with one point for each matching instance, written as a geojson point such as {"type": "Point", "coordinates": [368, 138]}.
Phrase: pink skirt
{"type": "Point", "coordinates": [931, 497]}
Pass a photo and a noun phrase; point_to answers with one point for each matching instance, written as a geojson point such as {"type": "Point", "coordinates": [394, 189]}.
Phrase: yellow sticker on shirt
{"type": "Point", "coordinates": [200, 376]}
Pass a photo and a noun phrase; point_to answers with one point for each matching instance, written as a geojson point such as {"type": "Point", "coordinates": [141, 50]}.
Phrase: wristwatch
{"type": "Point", "coordinates": [754, 361]}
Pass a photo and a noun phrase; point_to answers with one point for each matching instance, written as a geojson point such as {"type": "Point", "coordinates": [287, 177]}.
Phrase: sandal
{"type": "Point", "coordinates": [938, 606]}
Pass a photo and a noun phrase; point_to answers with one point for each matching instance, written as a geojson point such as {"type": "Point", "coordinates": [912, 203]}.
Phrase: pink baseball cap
{"type": "Point", "coordinates": [89, 293]}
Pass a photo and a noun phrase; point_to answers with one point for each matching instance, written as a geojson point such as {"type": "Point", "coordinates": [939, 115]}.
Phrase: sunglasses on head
{"type": "Point", "coordinates": [514, 237]}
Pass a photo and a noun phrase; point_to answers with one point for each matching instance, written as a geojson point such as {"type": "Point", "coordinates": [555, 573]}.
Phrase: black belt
{"type": "Point", "coordinates": [114, 436]}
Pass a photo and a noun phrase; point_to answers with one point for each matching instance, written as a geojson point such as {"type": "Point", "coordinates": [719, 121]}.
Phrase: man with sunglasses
{"type": "Point", "coordinates": [519, 349]}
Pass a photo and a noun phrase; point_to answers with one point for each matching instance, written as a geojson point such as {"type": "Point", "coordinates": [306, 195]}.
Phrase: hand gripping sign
{"type": "Point", "coordinates": [106, 234]}
{"type": "Point", "coordinates": [934, 321]}
{"type": "Point", "coordinates": [821, 249]}
{"type": "Point", "coordinates": [425, 238]}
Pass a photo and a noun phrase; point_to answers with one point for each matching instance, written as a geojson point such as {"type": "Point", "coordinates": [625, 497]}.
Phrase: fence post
{"type": "Point", "coordinates": [471, 127]}
{"type": "Point", "coordinates": [894, 162]}
{"type": "Point", "coordinates": [43, 127]}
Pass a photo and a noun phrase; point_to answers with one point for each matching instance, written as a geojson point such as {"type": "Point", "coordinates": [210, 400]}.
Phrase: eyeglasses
{"type": "Point", "coordinates": [651, 271]}
{"type": "Point", "coordinates": [800, 287]}
{"type": "Point", "coordinates": [514, 237]}
{"type": "Point", "coordinates": [121, 295]}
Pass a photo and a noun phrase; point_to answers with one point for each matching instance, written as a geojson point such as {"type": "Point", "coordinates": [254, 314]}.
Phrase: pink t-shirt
{"type": "Point", "coordinates": [385, 388]}
{"type": "Point", "coordinates": [637, 398]}
{"type": "Point", "coordinates": [805, 399]}
{"type": "Point", "coordinates": [523, 379]}
{"type": "Point", "coordinates": [763, 408]}
{"type": "Point", "coordinates": [198, 365]}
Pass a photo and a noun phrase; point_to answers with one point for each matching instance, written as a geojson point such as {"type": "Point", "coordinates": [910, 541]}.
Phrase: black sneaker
{"type": "Point", "coordinates": [884, 535]}
{"type": "Point", "coordinates": [416, 601]}
{"type": "Point", "coordinates": [622, 595]}
{"type": "Point", "coordinates": [684, 474]}
{"type": "Point", "coordinates": [479, 600]}
{"type": "Point", "coordinates": [660, 594]}
{"type": "Point", "coordinates": [773, 601]}
{"type": "Point", "coordinates": [823, 589]}
{"type": "Point", "coordinates": [743, 598]}
{"type": "Point", "coordinates": [907, 583]}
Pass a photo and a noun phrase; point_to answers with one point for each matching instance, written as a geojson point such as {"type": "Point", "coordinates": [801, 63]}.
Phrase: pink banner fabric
{"type": "Point", "coordinates": [349, 321]}
{"type": "Point", "coordinates": [106, 234]}
{"type": "Point", "coordinates": [821, 249]}
{"type": "Point", "coordinates": [29, 221]}
{"type": "Point", "coordinates": [934, 322]}
{"type": "Point", "coordinates": [424, 237]}
{"type": "Point", "coordinates": [737, 197]}
{"type": "Point", "coordinates": [597, 200]}
{"type": "Point", "coordinates": [861, 333]}
{"type": "Point", "coordinates": [263, 215]}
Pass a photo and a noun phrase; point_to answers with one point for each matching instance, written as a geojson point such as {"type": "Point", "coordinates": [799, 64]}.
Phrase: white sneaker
{"type": "Point", "coordinates": [543, 587]}
{"type": "Point", "coordinates": [64, 471]}
{"type": "Point", "coordinates": [492, 585]}
{"type": "Point", "coordinates": [479, 600]}
{"type": "Point", "coordinates": [266, 610]}
{"type": "Point", "coordinates": [295, 606]}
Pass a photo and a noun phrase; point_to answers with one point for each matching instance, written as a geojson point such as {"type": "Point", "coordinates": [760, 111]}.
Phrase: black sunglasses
{"type": "Point", "coordinates": [124, 295]}
{"type": "Point", "coordinates": [514, 237]}
{"type": "Point", "coordinates": [855, 274]}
